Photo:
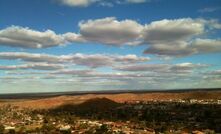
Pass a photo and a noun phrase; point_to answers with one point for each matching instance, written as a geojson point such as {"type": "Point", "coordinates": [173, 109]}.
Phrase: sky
{"type": "Point", "coordinates": [97, 45]}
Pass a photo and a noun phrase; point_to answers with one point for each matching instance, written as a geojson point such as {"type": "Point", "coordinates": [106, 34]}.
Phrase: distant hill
{"type": "Point", "coordinates": [74, 93]}
{"type": "Point", "coordinates": [85, 101]}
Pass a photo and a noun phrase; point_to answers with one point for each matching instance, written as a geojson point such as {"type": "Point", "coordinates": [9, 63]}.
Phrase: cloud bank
{"type": "Point", "coordinates": [107, 3]}
{"type": "Point", "coordinates": [92, 61]}
{"type": "Point", "coordinates": [34, 66]}
{"type": "Point", "coordinates": [175, 38]}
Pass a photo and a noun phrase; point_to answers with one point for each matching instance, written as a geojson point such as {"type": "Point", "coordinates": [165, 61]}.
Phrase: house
{"type": "Point", "coordinates": [65, 128]}
{"type": "Point", "coordinates": [9, 128]}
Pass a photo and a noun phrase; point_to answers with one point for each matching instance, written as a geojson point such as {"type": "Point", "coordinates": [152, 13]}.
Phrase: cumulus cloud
{"type": "Point", "coordinates": [161, 68]}
{"type": "Point", "coordinates": [105, 31]}
{"type": "Point", "coordinates": [92, 60]}
{"type": "Point", "coordinates": [136, 1]}
{"type": "Point", "coordinates": [177, 49]}
{"type": "Point", "coordinates": [16, 36]}
{"type": "Point", "coordinates": [210, 23]}
{"type": "Point", "coordinates": [110, 31]}
{"type": "Point", "coordinates": [207, 45]}
{"type": "Point", "coordinates": [34, 66]}
{"type": "Point", "coordinates": [169, 37]}
{"type": "Point", "coordinates": [108, 3]}
{"type": "Point", "coordinates": [143, 67]}
{"type": "Point", "coordinates": [99, 60]}
{"type": "Point", "coordinates": [164, 31]}
{"type": "Point", "coordinates": [77, 3]}
{"type": "Point", "coordinates": [73, 72]}
{"type": "Point", "coordinates": [94, 73]}
{"type": "Point", "coordinates": [30, 57]}
{"type": "Point", "coordinates": [176, 37]}
{"type": "Point", "coordinates": [197, 46]}
{"type": "Point", "coordinates": [186, 67]}
{"type": "Point", "coordinates": [73, 37]}
{"type": "Point", "coordinates": [164, 37]}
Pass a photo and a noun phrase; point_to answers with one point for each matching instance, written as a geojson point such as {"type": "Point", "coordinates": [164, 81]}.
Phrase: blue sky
{"type": "Point", "coordinates": [72, 45]}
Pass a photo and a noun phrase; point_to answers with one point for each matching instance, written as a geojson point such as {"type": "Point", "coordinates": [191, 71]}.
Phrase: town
{"type": "Point", "coordinates": [103, 116]}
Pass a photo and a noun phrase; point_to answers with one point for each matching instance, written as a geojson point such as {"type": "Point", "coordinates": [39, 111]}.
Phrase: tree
{"type": "Point", "coordinates": [47, 128]}
{"type": "Point", "coordinates": [102, 130]}
{"type": "Point", "coordinates": [11, 131]}
{"type": "Point", "coordinates": [2, 128]}
{"type": "Point", "coordinates": [66, 131]}
{"type": "Point", "coordinates": [22, 130]}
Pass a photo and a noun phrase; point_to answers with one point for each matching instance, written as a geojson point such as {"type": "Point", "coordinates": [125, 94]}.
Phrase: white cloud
{"type": "Point", "coordinates": [210, 23]}
{"type": "Point", "coordinates": [30, 57]}
{"type": "Point", "coordinates": [177, 49]}
{"type": "Point", "coordinates": [105, 31]}
{"type": "Point", "coordinates": [208, 9]}
{"type": "Point", "coordinates": [161, 68]}
{"type": "Point", "coordinates": [214, 73]}
{"type": "Point", "coordinates": [73, 72]}
{"type": "Point", "coordinates": [73, 37]}
{"type": "Point", "coordinates": [16, 36]}
{"type": "Point", "coordinates": [143, 67]}
{"type": "Point", "coordinates": [136, 1]}
{"type": "Point", "coordinates": [34, 66]}
{"type": "Point", "coordinates": [92, 60]}
{"type": "Point", "coordinates": [186, 67]}
{"type": "Point", "coordinates": [177, 37]}
{"type": "Point", "coordinates": [96, 74]}
{"type": "Point", "coordinates": [165, 31]}
{"type": "Point", "coordinates": [99, 60]}
{"type": "Point", "coordinates": [207, 45]}
{"type": "Point", "coordinates": [110, 31]}
{"type": "Point", "coordinates": [77, 3]}
{"type": "Point", "coordinates": [106, 3]}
